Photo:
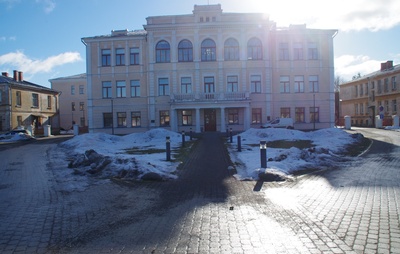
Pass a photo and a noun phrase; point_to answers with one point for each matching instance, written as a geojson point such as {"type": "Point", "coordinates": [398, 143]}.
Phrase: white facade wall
{"type": "Point", "coordinates": [202, 109]}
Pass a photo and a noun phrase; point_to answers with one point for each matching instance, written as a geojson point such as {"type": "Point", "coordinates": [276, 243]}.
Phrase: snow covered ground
{"type": "Point", "coordinates": [316, 149]}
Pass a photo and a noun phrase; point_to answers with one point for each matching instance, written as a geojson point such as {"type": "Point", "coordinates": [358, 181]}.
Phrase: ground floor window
{"type": "Point", "coordinates": [107, 120]}
{"type": "Point", "coordinates": [314, 114]}
{"type": "Point", "coordinates": [121, 119]}
{"type": "Point", "coordinates": [136, 119]}
{"type": "Point", "coordinates": [186, 117]}
{"type": "Point", "coordinates": [164, 118]}
{"type": "Point", "coordinates": [285, 112]}
{"type": "Point", "coordinates": [233, 116]}
{"type": "Point", "coordinates": [82, 121]}
{"type": "Point", "coordinates": [256, 116]}
{"type": "Point", "coordinates": [300, 112]}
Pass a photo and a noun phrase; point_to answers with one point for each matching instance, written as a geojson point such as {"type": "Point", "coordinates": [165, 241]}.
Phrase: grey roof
{"type": "Point", "coordinates": [120, 33]}
{"type": "Point", "coordinates": [77, 76]}
{"type": "Point", "coordinates": [24, 84]}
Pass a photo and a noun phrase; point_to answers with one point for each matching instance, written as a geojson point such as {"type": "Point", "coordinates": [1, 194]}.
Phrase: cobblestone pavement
{"type": "Point", "coordinates": [353, 208]}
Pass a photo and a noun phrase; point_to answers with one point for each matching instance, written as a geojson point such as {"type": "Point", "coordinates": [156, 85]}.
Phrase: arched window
{"type": "Point", "coordinates": [185, 51]}
{"type": "Point", "coordinates": [208, 51]}
{"type": "Point", "coordinates": [163, 52]}
{"type": "Point", "coordinates": [254, 49]}
{"type": "Point", "coordinates": [231, 50]}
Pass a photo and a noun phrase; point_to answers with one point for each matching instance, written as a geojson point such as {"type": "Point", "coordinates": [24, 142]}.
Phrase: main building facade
{"type": "Point", "coordinates": [209, 71]}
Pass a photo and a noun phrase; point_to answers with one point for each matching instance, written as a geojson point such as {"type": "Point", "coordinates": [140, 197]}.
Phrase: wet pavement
{"type": "Point", "coordinates": [354, 208]}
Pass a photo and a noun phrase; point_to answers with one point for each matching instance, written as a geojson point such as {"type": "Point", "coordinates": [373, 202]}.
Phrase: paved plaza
{"type": "Point", "coordinates": [353, 208]}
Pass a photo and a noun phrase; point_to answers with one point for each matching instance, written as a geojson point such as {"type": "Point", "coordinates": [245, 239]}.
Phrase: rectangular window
{"type": "Point", "coordinates": [284, 84]}
{"type": "Point", "coordinates": [106, 57]}
{"type": "Point", "coordinates": [356, 90]}
{"type": "Point", "coordinates": [186, 117]}
{"type": "Point", "coordinates": [164, 118]}
{"type": "Point", "coordinates": [314, 114]}
{"type": "Point", "coordinates": [299, 84]}
{"type": "Point", "coordinates": [81, 89]}
{"type": "Point", "coordinates": [49, 102]}
{"type": "Point", "coordinates": [386, 106]}
{"type": "Point", "coordinates": [81, 106]}
{"type": "Point", "coordinates": [72, 90]}
{"type": "Point", "coordinates": [356, 109]}
{"type": "Point", "coordinates": [386, 85]}
{"type": "Point", "coordinates": [18, 99]}
{"type": "Point", "coordinates": [72, 106]}
{"type": "Point", "coordinates": [135, 88]}
{"type": "Point", "coordinates": [394, 85]}
{"type": "Point", "coordinates": [300, 114]}
{"type": "Point", "coordinates": [163, 86]}
{"type": "Point", "coordinates": [361, 89]}
{"type": "Point", "coordinates": [35, 100]}
{"type": "Point", "coordinates": [134, 56]}
{"type": "Point", "coordinates": [120, 57]}
{"type": "Point", "coordinates": [136, 119]}
{"type": "Point", "coordinates": [209, 86]}
{"type": "Point", "coordinates": [366, 89]}
{"type": "Point", "coordinates": [361, 108]}
{"type": "Point", "coordinates": [312, 51]}
{"type": "Point", "coordinates": [256, 116]}
{"type": "Point", "coordinates": [285, 112]}
{"type": "Point", "coordinates": [313, 84]}
{"type": "Point", "coordinates": [121, 119]}
{"type": "Point", "coordinates": [283, 51]}
{"type": "Point", "coordinates": [233, 116]}
{"type": "Point", "coordinates": [107, 87]}
{"type": "Point", "coordinates": [186, 85]}
{"type": "Point", "coordinates": [255, 83]}
{"type": "Point", "coordinates": [298, 51]}
{"type": "Point", "coordinates": [379, 86]}
{"type": "Point", "coordinates": [107, 120]}
{"type": "Point", "coordinates": [394, 106]}
{"type": "Point", "coordinates": [121, 89]}
{"type": "Point", "coordinates": [232, 84]}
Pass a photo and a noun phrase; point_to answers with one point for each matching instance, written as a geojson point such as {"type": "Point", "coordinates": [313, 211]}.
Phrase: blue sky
{"type": "Point", "coordinates": [42, 38]}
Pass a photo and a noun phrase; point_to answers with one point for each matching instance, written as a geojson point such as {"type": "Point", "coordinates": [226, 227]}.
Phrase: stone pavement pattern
{"type": "Point", "coordinates": [352, 209]}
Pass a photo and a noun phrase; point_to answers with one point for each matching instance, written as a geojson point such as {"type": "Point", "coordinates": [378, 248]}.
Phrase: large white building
{"type": "Point", "coordinates": [209, 71]}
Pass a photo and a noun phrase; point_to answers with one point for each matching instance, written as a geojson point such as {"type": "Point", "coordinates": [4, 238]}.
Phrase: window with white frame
{"type": "Point", "coordinates": [134, 56]}
{"type": "Point", "coordinates": [312, 51]}
{"type": "Point", "coordinates": [163, 52]}
{"type": "Point", "coordinates": [121, 119]}
{"type": "Point", "coordinates": [231, 50]}
{"type": "Point", "coordinates": [164, 118]}
{"type": "Point", "coordinates": [185, 51]}
{"type": "Point", "coordinates": [163, 86]}
{"type": "Point", "coordinates": [107, 89]}
{"type": "Point", "coordinates": [208, 51]}
{"type": "Point", "coordinates": [283, 51]}
{"type": "Point", "coordinates": [136, 119]}
{"type": "Point", "coordinates": [105, 57]}
{"type": "Point", "coordinates": [254, 49]}
{"type": "Point", "coordinates": [284, 84]}
{"type": "Point", "coordinates": [394, 106]}
{"type": "Point", "coordinates": [35, 100]}
{"type": "Point", "coordinates": [297, 51]}
{"type": "Point", "coordinates": [299, 84]}
{"type": "Point", "coordinates": [120, 57]}
{"type": "Point", "coordinates": [394, 85]}
{"type": "Point", "coordinates": [81, 89]}
{"type": "Point", "coordinates": [256, 116]}
{"type": "Point", "coordinates": [233, 116]}
{"type": "Point", "coordinates": [135, 88]}
{"type": "Point", "coordinates": [186, 85]}
{"type": "Point", "coordinates": [186, 117]}
{"type": "Point", "coordinates": [232, 84]}
{"type": "Point", "coordinates": [121, 89]}
{"type": "Point", "coordinates": [255, 83]}
{"type": "Point", "coordinates": [313, 84]}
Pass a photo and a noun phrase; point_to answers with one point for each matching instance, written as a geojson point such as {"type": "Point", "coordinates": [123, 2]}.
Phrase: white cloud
{"type": "Point", "coordinates": [32, 66]}
{"type": "Point", "coordinates": [340, 14]}
{"type": "Point", "coordinates": [348, 66]}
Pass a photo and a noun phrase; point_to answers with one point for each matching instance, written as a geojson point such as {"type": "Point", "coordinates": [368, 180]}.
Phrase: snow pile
{"type": "Point", "coordinates": [134, 156]}
{"type": "Point", "coordinates": [323, 148]}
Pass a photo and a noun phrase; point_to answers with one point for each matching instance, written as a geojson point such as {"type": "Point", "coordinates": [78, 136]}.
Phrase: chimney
{"type": "Point", "coordinates": [4, 74]}
{"type": "Point", "coordinates": [20, 76]}
{"type": "Point", "coordinates": [15, 75]}
{"type": "Point", "coordinates": [383, 66]}
{"type": "Point", "coordinates": [389, 64]}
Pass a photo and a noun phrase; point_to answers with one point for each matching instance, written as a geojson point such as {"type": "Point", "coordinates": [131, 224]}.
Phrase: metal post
{"type": "Point", "coordinates": [191, 133]}
{"type": "Point", "coordinates": [263, 153]}
{"type": "Point", "coordinates": [168, 148]}
{"type": "Point", "coordinates": [183, 138]}
{"type": "Point", "coordinates": [239, 141]}
{"type": "Point", "coordinates": [230, 135]}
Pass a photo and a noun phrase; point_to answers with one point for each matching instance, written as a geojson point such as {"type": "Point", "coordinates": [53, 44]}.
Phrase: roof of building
{"type": "Point", "coordinates": [77, 76]}
{"type": "Point", "coordinates": [389, 70]}
{"type": "Point", "coordinates": [24, 84]}
{"type": "Point", "coordinates": [120, 33]}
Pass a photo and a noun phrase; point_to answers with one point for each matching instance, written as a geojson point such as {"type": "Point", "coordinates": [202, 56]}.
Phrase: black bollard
{"type": "Point", "coordinates": [263, 153]}
{"type": "Point", "coordinates": [168, 148]}
{"type": "Point", "coordinates": [230, 135]}
{"type": "Point", "coordinates": [239, 142]}
{"type": "Point", "coordinates": [183, 138]}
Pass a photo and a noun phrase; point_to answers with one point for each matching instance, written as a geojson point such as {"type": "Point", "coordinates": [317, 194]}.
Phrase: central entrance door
{"type": "Point", "coordinates": [210, 122]}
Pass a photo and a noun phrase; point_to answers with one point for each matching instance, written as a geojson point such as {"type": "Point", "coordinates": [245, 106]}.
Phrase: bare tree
{"type": "Point", "coordinates": [337, 82]}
